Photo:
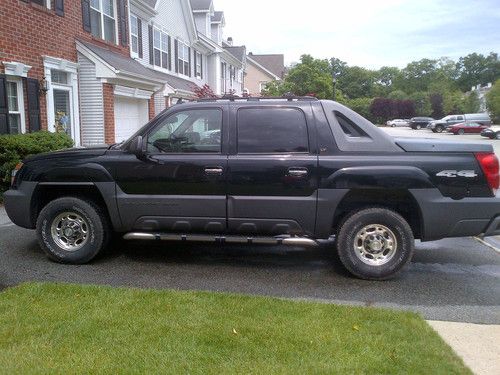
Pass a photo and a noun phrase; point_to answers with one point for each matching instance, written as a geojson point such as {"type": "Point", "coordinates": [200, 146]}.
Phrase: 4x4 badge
{"type": "Point", "coordinates": [453, 174]}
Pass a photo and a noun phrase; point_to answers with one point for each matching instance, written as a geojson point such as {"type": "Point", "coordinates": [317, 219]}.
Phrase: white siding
{"type": "Point", "coordinates": [171, 17]}
{"type": "Point", "coordinates": [145, 44]}
{"type": "Point", "coordinates": [91, 104]}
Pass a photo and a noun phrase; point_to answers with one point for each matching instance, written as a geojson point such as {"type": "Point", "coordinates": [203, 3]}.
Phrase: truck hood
{"type": "Point", "coordinates": [438, 145]}
{"type": "Point", "coordinates": [70, 153]}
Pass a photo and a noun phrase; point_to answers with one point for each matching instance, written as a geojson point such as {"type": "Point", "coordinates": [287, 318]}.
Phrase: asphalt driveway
{"type": "Point", "coordinates": [454, 279]}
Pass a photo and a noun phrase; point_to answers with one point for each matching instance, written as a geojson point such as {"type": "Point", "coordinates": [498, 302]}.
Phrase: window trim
{"type": "Point", "coordinates": [199, 63]}
{"type": "Point", "coordinates": [132, 53]}
{"type": "Point", "coordinates": [159, 123]}
{"type": "Point", "coordinates": [20, 103]}
{"type": "Point", "coordinates": [167, 51]}
{"type": "Point", "coordinates": [308, 135]}
{"type": "Point", "coordinates": [102, 15]}
{"type": "Point", "coordinates": [180, 61]}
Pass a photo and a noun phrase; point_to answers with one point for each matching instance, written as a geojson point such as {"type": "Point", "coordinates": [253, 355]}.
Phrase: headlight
{"type": "Point", "coordinates": [14, 173]}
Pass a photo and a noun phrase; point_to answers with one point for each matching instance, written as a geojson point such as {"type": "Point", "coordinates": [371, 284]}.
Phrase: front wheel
{"type": "Point", "coordinates": [461, 132]}
{"type": "Point", "coordinates": [72, 231]}
{"type": "Point", "coordinates": [439, 129]}
{"type": "Point", "coordinates": [497, 135]}
{"type": "Point", "coordinates": [375, 243]}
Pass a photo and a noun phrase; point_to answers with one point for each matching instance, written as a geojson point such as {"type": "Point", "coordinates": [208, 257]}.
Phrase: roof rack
{"type": "Point", "coordinates": [233, 98]}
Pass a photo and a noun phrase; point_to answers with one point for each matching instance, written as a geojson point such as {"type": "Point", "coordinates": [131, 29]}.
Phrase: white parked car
{"type": "Point", "coordinates": [398, 122]}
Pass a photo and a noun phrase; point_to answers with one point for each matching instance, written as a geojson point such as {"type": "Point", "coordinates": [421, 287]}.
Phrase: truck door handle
{"type": "Point", "coordinates": [214, 171]}
{"type": "Point", "coordinates": [298, 172]}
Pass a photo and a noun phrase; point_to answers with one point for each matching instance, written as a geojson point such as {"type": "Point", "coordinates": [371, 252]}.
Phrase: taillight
{"type": "Point", "coordinates": [490, 167]}
{"type": "Point", "coordinates": [14, 173]}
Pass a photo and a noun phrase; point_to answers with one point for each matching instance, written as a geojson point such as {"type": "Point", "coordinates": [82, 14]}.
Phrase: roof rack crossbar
{"type": "Point", "coordinates": [233, 98]}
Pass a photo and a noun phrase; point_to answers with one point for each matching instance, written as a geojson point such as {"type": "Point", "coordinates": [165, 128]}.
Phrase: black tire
{"type": "Point", "coordinates": [497, 135]}
{"type": "Point", "coordinates": [419, 127]}
{"type": "Point", "coordinates": [439, 129]}
{"type": "Point", "coordinates": [461, 132]}
{"type": "Point", "coordinates": [347, 239]}
{"type": "Point", "coordinates": [93, 222]}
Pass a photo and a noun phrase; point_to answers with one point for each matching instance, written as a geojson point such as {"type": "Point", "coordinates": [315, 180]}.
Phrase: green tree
{"type": "Point", "coordinates": [472, 103]}
{"type": "Point", "coordinates": [417, 76]}
{"type": "Point", "coordinates": [477, 69]}
{"type": "Point", "coordinates": [422, 103]}
{"type": "Point", "coordinates": [310, 77]}
{"type": "Point", "coordinates": [357, 82]}
{"type": "Point", "coordinates": [384, 80]}
{"type": "Point", "coordinates": [398, 94]}
{"type": "Point", "coordinates": [493, 102]}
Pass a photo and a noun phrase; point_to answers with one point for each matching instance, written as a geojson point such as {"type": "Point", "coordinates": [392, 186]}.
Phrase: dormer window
{"type": "Point", "coordinates": [103, 19]}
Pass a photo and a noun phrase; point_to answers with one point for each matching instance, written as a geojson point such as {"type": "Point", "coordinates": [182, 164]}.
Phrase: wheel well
{"type": "Point", "coordinates": [45, 194]}
{"type": "Point", "coordinates": [400, 201]}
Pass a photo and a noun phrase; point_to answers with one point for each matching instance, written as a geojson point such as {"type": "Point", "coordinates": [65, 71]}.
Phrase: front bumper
{"type": "Point", "coordinates": [18, 204]}
{"type": "Point", "coordinates": [443, 217]}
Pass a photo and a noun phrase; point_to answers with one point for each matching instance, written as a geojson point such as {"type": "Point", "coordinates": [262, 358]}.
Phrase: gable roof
{"type": "Point", "coordinates": [275, 63]}
{"type": "Point", "coordinates": [218, 17]}
{"type": "Point", "coordinates": [201, 4]}
{"type": "Point", "coordinates": [127, 64]}
{"type": "Point", "coordinates": [237, 51]}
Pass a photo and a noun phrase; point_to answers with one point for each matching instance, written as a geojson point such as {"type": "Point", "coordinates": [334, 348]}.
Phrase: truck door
{"type": "Point", "coordinates": [180, 186]}
{"type": "Point", "coordinates": [272, 175]}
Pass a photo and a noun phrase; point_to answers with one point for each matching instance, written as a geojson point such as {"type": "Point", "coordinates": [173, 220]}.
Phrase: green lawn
{"type": "Point", "coordinates": [67, 329]}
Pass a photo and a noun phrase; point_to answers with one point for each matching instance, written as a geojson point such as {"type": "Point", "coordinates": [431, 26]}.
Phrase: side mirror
{"type": "Point", "coordinates": [136, 147]}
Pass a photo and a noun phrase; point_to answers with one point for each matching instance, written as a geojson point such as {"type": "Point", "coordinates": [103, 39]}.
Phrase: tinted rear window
{"type": "Point", "coordinates": [272, 130]}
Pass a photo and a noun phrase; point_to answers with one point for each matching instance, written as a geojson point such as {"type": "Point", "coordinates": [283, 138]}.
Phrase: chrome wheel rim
{"type": "Point", "coordinates": [70, 231]}
{"type": "Point", "coordinates": [375, 245]}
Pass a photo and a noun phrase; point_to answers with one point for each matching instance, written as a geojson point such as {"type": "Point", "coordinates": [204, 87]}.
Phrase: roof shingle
{"type": "Point", "coordinates": [274, 63]}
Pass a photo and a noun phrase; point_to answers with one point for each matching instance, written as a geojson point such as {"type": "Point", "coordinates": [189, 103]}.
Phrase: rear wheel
{"type": "Point", "coordinates": [72, 230]}
{"type": "Point", "coordinates": [375, 243]}
{"type": "Point", "coordinates": [497, 135]}
{"type": "Point", "coordinates": [439, 129]}
{"type": "Point", "coordinates": [419, 127]}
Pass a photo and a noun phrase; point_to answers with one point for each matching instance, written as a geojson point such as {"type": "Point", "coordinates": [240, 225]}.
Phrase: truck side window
{"type": "Point", "coordinates": [191, 131]}
{"type": "Point", "coordinates": [349, 127]}
{"type": "Point", "coordinates": [272, 130]}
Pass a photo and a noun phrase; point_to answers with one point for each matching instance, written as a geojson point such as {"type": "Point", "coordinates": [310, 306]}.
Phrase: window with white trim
{"type": "Point", "coordinates": [16, 106]}
{"type": "Point", "coordinates": [160, 47]}
{"type": "Point", "coordinates": [44, 3]}
{"type": "Point", "coordinates": [134, 35]}
{"type": "Point", "coordinates": [263, 85]}
{"type": "Point", "coordinates": [183, 58]}
{"type": "Point", "coordinates": [198, 70]}
{"type": "Point", "coordinates": [103, 19]}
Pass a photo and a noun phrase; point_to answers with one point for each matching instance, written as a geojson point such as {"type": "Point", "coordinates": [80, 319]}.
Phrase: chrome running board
{"type": "Point", "coordinates": [281, 240]}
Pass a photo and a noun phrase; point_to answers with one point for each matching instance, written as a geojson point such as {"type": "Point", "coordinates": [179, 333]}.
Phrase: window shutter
{"type": "Point", "coordinates": [201, 65]}
{"type": "Point", "coordinates": [169, 52]}
{"type": "Point", "coordinates": [139, 36]}
{"type": "Point", "coordinates": [59, 7]}
{"type": "Point", "coordinates": [176, 59]}
{"type": "Point", "coordinates": [122, 16]}
{"type": "Point", "coordinates": [195, 62]}
{"type": "Point", "coordinates": [4, 106]}
{"type": "Point", "coordinates": [151, 50]}
{"type": "Point", "coordinates": [86, 15]}
{"type": "Point", "coordinates": [33, 91]}
{"type": "Point", "coordinates": [189, 62]}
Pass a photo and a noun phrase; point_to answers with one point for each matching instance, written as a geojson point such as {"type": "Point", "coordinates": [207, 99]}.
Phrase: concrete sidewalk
{"type": "Point", "coordinates": [478, 345]}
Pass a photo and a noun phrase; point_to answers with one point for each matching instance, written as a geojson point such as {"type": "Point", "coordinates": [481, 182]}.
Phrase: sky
{"type": "Point", "coordinates": [362, 32]}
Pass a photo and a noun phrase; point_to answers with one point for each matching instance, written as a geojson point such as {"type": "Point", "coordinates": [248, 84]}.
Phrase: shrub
{"type": "Point", "coordinates": [14, 148]}
{"type": "Point", "coordinates": [493, 102]}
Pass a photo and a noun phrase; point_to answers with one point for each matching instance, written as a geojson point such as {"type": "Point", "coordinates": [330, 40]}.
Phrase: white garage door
{"type": "Point", "coordinates": [130, 115]}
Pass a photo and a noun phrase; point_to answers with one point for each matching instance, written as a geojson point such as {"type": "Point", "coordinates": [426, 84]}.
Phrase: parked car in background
{"type": "Point", "coordinates": [417, 123]}
{"type": "Point", "coordinates": [467, 128]}
{"type": "Point", "coordinates": [438, 126]}
{"type": "Point", "coordinates": [397, 122]}
{"type": "Point", "coordinates": [493, 132]}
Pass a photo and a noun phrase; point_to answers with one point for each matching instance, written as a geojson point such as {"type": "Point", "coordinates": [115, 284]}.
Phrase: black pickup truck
{"type": "Point", "coordinates": [289, 171]}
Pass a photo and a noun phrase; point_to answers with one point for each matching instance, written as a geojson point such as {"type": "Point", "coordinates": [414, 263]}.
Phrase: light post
{"type": "Point", "coordinates": [334, 87]}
